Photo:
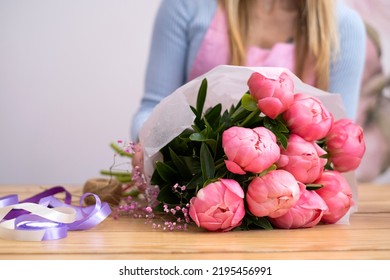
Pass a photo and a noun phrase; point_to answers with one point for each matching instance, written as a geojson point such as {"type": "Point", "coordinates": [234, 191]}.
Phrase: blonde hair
{"type": "Point", "coordinates": [317, 28]}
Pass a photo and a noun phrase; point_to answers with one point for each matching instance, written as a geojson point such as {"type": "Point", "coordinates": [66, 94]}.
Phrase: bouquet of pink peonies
{"type": "Point", "coordinates": [254, 148]}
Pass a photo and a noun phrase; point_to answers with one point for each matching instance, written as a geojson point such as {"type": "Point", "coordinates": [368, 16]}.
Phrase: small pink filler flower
{"type": "Point", "coordinates": [273, 96]}
{"type": "Point", "coordinates": [219, 206]}
{"type": "Point", "coordinates": [249, 150]}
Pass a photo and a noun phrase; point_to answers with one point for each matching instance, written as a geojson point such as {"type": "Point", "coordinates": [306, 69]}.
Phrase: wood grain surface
{"type": "Point", "coordinates": [366, 237]}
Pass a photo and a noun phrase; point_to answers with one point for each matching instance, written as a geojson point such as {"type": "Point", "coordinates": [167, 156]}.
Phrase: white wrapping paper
{"type": "Point", "coordinates": [226, 85]}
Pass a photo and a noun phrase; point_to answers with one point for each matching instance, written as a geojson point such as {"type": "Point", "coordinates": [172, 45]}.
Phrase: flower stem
{"type": "Point", "coordinates": [120, 151]}
{"type": "Point", "coordinates": [249, 118]}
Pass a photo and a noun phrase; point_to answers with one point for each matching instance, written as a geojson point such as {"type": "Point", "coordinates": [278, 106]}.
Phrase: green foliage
{"type": "Point", "coordinates": [252, 222]}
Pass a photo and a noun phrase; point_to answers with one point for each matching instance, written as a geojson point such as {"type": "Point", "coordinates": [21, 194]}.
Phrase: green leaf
{"type": "Point", "coordinates": [250, 119]}
{"type": "Point", "coordinates": [166, 195]}
{"type": "Point", "coordinates": [313, 187]}
{"type": "Point", "coordinates": [197, 136]}
{"type": "Point", "coordinates": [197, 115]}
{"type": "Point", "coordinates": [276, 126]}
{"type": "Point", "coordinates": [167, 173]}
{"type": "Point", "coordinates": [205, 136]}
{"type": "Point", "coordinates": [282, 139]}
{"type": "Point", "coordinates": [206, 162]}
{"type": "Point", "coordinates": [281, 125]}
{"type": "Point", "coordinates": [198, 111]}
{"type": "Point", "coordinates": [213, 115]}
{"type": "Point", "coordinates": [120, 151]}
{"type": "Point", "coordinates": [261, 222]}
{"type": "Point", "coordinates": [156, 179]}
{"type": "Point", "coordinates": [192, 164]}
{"type": "Point", "coordinates": [195, 182]}
{"type": "Point", "coordinates": [249, 103]}
{"type": "Point", "coordinates": [279, 129]}
{"type": "Point", "coordinates": [122, 177]}
{"type": "Point", "coordinates": [271, 168]}
{"type": "Point", "coordinates": [180, 164]}
{"type": "Point", "coordinates": [239, 114]}
{"type": "Point", "coordinates": [224, 122]}
{"type": "Point", "coordinates": [201, 96]}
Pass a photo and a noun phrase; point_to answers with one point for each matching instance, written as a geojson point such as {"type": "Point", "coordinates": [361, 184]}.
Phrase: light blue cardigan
{"type": "Point", "coordinates": [179, 28]}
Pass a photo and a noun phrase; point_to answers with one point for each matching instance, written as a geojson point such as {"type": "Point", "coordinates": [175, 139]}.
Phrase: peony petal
{"type": "Point", "coordinates": [234, 187]}
{"type": "Point", "coordinates": [209, 223]}
{"type": "Point", "coordinates": [193, 213]}
{"type": "Point", "coordinates": [271, 107]}
{"type": "Point", "coordinates": [234, 167]}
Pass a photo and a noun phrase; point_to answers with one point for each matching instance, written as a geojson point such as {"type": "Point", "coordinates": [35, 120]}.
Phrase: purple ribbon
{"type": "Point", "coordinates": [86, 216]}
{"type": "Point", "coordinates": [34, 199]}
{"type": "Point", "coordinates": [8, 200]}
{"type": "Point", "coordinates": [33, 222]}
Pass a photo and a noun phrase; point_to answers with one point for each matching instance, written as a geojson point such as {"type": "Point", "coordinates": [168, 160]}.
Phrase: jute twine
{"type": "Point", "coordinates": [108, 190]}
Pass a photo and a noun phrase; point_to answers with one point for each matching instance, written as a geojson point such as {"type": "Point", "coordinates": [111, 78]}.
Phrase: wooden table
{"type": "Point", "coordinates": [367, 237]}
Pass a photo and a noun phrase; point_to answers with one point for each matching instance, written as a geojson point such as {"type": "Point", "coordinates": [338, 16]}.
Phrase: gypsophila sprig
{"type": "Point", "coordinates": [140, 197]}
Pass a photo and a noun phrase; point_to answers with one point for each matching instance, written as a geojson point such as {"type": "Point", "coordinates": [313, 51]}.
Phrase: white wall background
{"type": "Point", "coordinates": [71, 77]}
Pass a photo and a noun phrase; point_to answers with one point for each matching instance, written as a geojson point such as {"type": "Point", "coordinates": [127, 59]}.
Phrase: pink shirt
{"type": "Point", "coordinates": [214, 51]}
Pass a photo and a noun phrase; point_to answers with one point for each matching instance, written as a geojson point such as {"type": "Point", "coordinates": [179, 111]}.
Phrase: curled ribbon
{"type": "Point", "coordinates": [44, 217]}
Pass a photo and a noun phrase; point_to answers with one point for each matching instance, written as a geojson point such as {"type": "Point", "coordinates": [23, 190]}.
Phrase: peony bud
{"type": "Point", "coordinates": [345, 145]}
{"type": "Point", "coordinates": [249, 150]}
{"type": "Point", "coordinates": [272, 194]}
{"type": "Point", "coordinates": [307, 212]}
{"type": "Point", "coordinates": [337, 195]}
{"type": "Point", "coordinates": [308, 118]}
{"type": "Point", "coordinates": [274, 96]}
{"type": "Point", "coordinates": [219, 206]}
{"type": "Point", "coordinates": [302, 159]}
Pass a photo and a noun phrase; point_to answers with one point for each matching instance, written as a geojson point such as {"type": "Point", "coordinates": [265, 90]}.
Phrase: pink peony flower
{"type": "Point", "coordinates": [219, 206]}
{"type": "Point", "coordinates": [345, 144]}
{"type": "Point", "coordinates": [337, 195]}
{"type": "Point", "coordinates": [249, 150]}
{"type": "Point", "coordinates": [307, 212]}
{"type": "Point", "coordinates": [302, 159]}
{"type": "Point", "coordinates": [272, 194]}
{"type": "Point", "coordinates": [273, 96]}
{"type": "Point", "coordinates": [308, 118]}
